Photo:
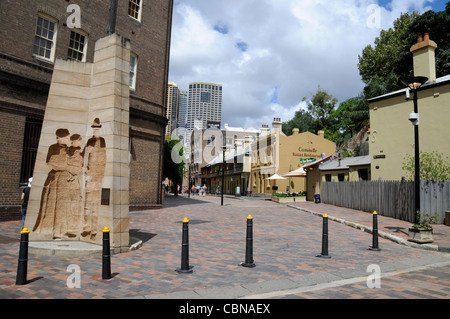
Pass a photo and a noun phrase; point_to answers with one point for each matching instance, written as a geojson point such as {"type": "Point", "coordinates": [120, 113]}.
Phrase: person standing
{"type": "Point", "coordinates": [25, 197]}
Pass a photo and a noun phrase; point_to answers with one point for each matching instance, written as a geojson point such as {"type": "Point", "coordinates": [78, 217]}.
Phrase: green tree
{"type": "Point", "coordinates": [434, 166]}
{"type": "Point", "coordinates": [321, 107]}
{"type": "Point", "coordinates": [383, 66]}
{"type": "Point", "coordinates": [379, 65]}
{"type": "Point", "coordinates": [302, 120]}
{"type": "Point", "coordinates": [349, 118]}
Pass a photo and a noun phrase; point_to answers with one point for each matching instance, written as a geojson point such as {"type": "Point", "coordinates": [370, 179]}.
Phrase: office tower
{"type": "Point", "coordinates": [205, 103]}
{"type": "Point", "coordinates": [173, 105]}
{"type": "Point", "coordinates": [182, 114]}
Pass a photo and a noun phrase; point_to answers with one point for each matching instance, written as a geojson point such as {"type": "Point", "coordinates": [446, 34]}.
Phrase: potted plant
{"type": "Point", "coordinates": [422, 231]}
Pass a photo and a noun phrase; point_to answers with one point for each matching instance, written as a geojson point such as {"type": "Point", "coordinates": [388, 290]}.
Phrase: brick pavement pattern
{"type": "Point", "coordinates": [286, 242]}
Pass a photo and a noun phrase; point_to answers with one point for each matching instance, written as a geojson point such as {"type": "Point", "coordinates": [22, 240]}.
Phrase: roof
{"type": "Point", "coordinates": [345, 163]}
{"type": "Point", "coordinates": [319, 161]}
{"type": "Point", "coordinates": [439, 81]}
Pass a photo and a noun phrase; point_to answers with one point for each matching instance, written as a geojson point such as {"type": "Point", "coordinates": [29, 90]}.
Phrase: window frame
{"type": "Point", "coordinates": [133, 78]}
{"type": "Point", "coordinates": [139, 12]}
{"type": "Point", "coordinates": [86, 36]}
{"type": "Point", "coordinates": [53, 40]}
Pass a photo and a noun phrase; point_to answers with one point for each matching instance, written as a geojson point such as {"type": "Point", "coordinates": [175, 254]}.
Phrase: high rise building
{"type": "Point", "coordinates": [182, 114]}
{"type": "Point", "coordinates": [205, 104]}
{"type": "Point", "coordinates": [173, 106]}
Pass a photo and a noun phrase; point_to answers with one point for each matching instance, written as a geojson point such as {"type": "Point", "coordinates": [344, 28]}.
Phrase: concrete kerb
{"type": "Point", "coordinates": [381, 234]}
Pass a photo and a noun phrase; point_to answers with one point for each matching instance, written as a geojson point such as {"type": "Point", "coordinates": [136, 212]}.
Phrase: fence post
{"type": "Point", "coordinates": [22, 267]}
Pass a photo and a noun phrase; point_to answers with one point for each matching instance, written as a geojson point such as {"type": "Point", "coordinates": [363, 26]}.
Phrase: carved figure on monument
{"type": "Point", "coordinates": [55, 199]}
{"type": "Point", "coordinates": [75, 168]}
{"type": "Point", "coordinates": [95, 158]}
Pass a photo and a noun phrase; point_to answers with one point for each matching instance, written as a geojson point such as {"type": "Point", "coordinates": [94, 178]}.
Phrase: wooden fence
{"type": "Point", "coordinates": [389, 198]}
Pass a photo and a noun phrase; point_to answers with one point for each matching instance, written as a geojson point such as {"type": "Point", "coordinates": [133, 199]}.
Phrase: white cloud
{"type": "Point", "coordinates": [254, 46]}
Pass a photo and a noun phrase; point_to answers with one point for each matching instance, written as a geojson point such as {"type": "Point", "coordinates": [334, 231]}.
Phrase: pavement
{"type": "Point", "coordinates": [286, 240]}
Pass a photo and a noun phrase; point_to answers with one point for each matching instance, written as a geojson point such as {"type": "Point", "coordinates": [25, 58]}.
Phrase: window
{"type": "Point", "coordinates": [341, 177]}
{"type": "Point", "coordinates": [134, 9]}
{"type": "Point", "coordinates": [205, 97]}
{"type": "Point", "coordinates": [45, 38]}
{"type": "Point", "coordinates": [327, 177]}
{"type": "Point", "coordinates": [133, 68]}
{"type": "Point", "coordinates": [77, 46]}
{"type": "Point", "coordinates": [31, 137]}
{"type": "Point", "coordinates": [363, 174]}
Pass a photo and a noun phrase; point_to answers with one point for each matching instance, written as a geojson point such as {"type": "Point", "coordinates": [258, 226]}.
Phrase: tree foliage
{"type": "Point", "coordinates": [383, 65]}
{"type": "Point", "coordinates": [173, 170]}
{"type": "Point", "coordinates": [434, 166]}
{"type": "Point", "coordinates": [382, 68]}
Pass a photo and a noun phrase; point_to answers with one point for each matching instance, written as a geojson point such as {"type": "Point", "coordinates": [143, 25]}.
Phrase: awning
{"type": "Point", "coordinates": [275, 176]}
{"type": "Point", "coordinates": [297, 173]}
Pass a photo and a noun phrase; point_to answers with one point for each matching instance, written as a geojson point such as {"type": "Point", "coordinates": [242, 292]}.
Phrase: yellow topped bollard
{"type": "Point", "coordinates": [375, 233]}
{"type": "Point", "coordinates": [249, 244]}
{"type": "Point", "coordinates": [106, 256]}
{"type": "Point", "coordinates": [324, 253]}
{"type": "Point", "coordinates": [185, 267]}
{"type": "Point", "coordinates": [22, 266]}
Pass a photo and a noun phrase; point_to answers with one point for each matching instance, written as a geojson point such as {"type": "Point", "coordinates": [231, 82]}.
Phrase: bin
{"type": "Point", "coordinates": [317, 198]}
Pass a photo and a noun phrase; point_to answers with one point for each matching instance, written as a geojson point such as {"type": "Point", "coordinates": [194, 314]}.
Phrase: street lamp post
{"type": "Point", "coordinates": [414, 83]}
{"type": "Point", "coordinates": [189, 181]}
{"type": "Point", "coordinates": [224, 148]}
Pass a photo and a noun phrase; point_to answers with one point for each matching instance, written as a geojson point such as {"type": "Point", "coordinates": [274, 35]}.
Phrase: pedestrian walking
{"type": "Point", "coordinates": [25, 197]}
{"type": "Point", "coordinates": [204, 189]}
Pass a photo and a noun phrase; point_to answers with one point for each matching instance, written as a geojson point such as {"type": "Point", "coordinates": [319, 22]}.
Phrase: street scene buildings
{"type": "Point", "coordinates": [91, 123]}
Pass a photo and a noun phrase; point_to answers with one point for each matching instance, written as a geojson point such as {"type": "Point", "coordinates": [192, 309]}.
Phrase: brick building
{"type": "Point", "coordinates": [34, 34]}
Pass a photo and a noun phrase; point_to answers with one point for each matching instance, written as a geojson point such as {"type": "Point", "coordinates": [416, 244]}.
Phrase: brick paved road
{"type": "Point", "coordinates": [286, 242]}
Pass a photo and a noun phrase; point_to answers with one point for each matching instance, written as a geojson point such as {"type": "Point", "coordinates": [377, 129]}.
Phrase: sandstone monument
{"type": "Point", "coordinates": [81, 175]}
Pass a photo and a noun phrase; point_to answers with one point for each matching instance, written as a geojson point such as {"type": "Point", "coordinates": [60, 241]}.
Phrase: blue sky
{"type": "Point", "coordinates": [269, 54]}
{"type": "Point", "coordinates": [436, 5]}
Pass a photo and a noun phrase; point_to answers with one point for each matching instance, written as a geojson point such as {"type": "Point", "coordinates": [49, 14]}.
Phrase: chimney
{"type": "Point", "coordinates": [264, 130]}
{"type": "Point", "coordinates": [247, 141]}
{"type": "Point", "coordinates": [321, 134]}
{"type": "Point", "coordinates": [423, 57]}
{"type": "Point", "coordinates": [295, 131]}
{"type": "Point", "coordinates": [276, 124]}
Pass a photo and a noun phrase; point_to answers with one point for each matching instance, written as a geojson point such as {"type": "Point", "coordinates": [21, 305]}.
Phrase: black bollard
{"type": "Point", "coordinates": [324, 253]}
{"type": "Point", "coordinates": [375, 233]}
{"type": "Point", "coordinates": [22, 267]}
{"type": "Point", "coordinates": [249, 244]}
{"type": "Point", "coordinates": [106, 256]}
{"type": "Point", "coordinates": [185, 268]}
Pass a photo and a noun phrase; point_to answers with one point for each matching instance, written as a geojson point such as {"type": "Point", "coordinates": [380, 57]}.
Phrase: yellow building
{"type": "Point", "coordinates": [276, 153]}
{"type": "Point", "coordinates": [391, 132]}
{"type": "Point", "coordinates": [330, 169]}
